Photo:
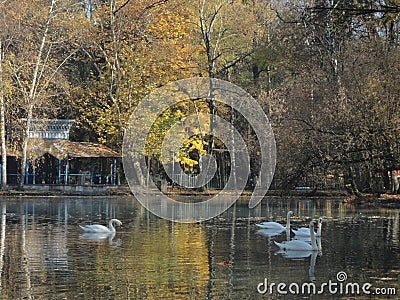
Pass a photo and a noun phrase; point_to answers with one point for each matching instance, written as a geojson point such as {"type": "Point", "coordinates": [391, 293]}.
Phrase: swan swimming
{"type": "Point", "coordinates": [301, 245]}
{"type": "Point", "coordinates": [275, 225]}
{"type": "Point", "coordinates": [96, 228]}
{"type": "Point", "coordinates": [304, 231]}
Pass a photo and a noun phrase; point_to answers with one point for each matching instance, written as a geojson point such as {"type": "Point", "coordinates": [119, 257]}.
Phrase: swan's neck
{"type": "Point", "coordinates": [319, 228]}
{"type": "Point", "coordinates": [318, 240]}
{"type": "Point", "coordinates": [287, 234]}
{"type": "Point", "coordinates": [111, 226]}
{"type": "Point", "coordinates": [313, 240]}
{"type": "Point", "coordinates": [288, 221]}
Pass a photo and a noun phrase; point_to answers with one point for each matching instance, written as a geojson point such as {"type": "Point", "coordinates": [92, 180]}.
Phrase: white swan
{"type": "Point", "coordinates": [299, 245]}
{"type": "Point", "coordinates": [305, 232]}
{"type": "Point", "coordinates": [100, 228]}
{"type": "Point", "coordinates": [275, 225]}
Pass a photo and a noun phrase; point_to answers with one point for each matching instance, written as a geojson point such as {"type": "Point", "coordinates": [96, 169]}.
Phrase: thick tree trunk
{"type": "Point", "coordinates": [386, 180]}
{"type": "Point", "coordinates": [369, 180]}
{"type": "Point", "coordinates": [353, 183]}
{"type": "Point", "coordinates": [139, 174]}
{"type": "Point", "coordinates": [395, 181]}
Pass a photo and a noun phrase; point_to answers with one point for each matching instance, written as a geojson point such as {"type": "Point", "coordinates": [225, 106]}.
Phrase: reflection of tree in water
{"type": "Point", "coordinates": [153, 258]}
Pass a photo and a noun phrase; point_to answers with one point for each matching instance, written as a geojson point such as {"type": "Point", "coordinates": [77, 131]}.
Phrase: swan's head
{"type": "Point", "coordinates": [290, 213]}
{"type": "Point", "coordinates": [117, 222]}
{"type": "Point", "coordinates": [313, 224]}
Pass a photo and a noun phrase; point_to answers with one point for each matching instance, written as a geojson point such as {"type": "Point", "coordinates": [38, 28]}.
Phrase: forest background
{"type": "Point", "coordinates": [326, 73]}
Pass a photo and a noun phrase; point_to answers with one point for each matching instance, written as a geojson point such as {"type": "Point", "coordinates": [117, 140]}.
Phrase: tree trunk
{"type": "Point", "coordinates": [368, 178]}
{"type": "Point", "coordinates": [353, 184]}
{"type": "Point", "coordinates": [207, 27]}
{"type": "Point", "coordinates": [139, 174]}
{"type": "Point", "coordinates": [385, 180]}
{"type": "Point", "coordinates": [24, 157]}
{"type": "Point", "coordinates": [395, 181]}
{"type": "Point", "coordinates": [233, 154]}
{"type": "Point", "coordinates": [2, 125]}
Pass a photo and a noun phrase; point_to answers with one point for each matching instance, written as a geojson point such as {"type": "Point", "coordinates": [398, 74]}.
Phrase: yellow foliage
{"type": "Point", "coordinates": [137, 52]}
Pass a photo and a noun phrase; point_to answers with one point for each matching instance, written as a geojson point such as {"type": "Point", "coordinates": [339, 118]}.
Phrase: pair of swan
{"type": "Point", "coordinates": [300, 245]}
{"type": "Point", "coordinates": [274, 228]}
{"type": "Point", "coordinates": [101, 229]}
{"type": "Point", "coordinates": [305, 232]}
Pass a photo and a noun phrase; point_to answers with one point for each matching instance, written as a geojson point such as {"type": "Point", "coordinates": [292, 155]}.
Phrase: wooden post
{"type": "Point", "coordinates": [26, 172]}
{"type": "Point", "coordinates": [66, 170]}
{"type": "Point", "coordinates": [33, 173]}
{"type": "Point", "coordinates": [59, 172]}
{"type": "Point", "coordinates": [91, 171]}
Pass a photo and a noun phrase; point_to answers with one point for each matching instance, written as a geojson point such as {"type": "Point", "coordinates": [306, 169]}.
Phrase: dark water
{"type": "Point", "coordinates": [44, 256]}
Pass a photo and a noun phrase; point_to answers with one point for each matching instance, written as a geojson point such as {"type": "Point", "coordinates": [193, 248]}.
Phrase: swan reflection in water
{"type": "Point", "coordinates": [270, 232]}
{"type": "Point", "coordinates": [99, 237]}
{"type": "Point", "coordinates": [298, 255]}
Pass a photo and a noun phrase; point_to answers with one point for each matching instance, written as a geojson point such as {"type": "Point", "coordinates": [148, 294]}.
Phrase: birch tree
{"type": "Point", "coordinates": [2, 124]}
{"type": "Point", "coordinates": [38, 60]}
{"type": "Point", "coordinates": [4, 42]}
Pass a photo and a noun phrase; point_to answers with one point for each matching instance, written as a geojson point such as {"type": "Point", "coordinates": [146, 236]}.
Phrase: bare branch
{"type": "Point", "coordinates": [150, 6]}
{"type": "Point", "coordinates": [360, 11]}
{"type": "Point", "coordinates": [121, 7]}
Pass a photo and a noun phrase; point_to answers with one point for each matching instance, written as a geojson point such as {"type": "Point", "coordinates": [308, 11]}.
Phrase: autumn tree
{"type": "Point", "coordinates": [331, 107]}
{"type": "Point", "coordinates": [132, 50]}
{"type": "Point", "coordinates": [39, 54]}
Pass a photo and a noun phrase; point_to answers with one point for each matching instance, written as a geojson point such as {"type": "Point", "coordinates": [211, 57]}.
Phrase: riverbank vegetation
{"type": "Point", "coordinates": [326, 73]}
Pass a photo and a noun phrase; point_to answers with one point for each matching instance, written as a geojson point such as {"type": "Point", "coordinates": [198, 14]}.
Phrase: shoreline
{"type": "Point", "coordinates": [66, 191]}
{"type": "Point", "coordinates": [124, 190]}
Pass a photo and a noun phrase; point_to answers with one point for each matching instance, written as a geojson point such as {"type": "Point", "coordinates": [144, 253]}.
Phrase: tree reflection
{"type": "Point", "coordinates": [43, 252]}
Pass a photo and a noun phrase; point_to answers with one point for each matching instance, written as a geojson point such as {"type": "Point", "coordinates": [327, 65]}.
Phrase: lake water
{"type": "Point", "coordinates": [43, 254]}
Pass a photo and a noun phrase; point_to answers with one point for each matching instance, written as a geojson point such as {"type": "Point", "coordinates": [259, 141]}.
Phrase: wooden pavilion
{"type": "Point", "coordinates": [54, 159]}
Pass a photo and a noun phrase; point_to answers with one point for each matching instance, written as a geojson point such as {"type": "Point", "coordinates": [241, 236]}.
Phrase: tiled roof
{"type": "Point", "coordinates": [64, 148]}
